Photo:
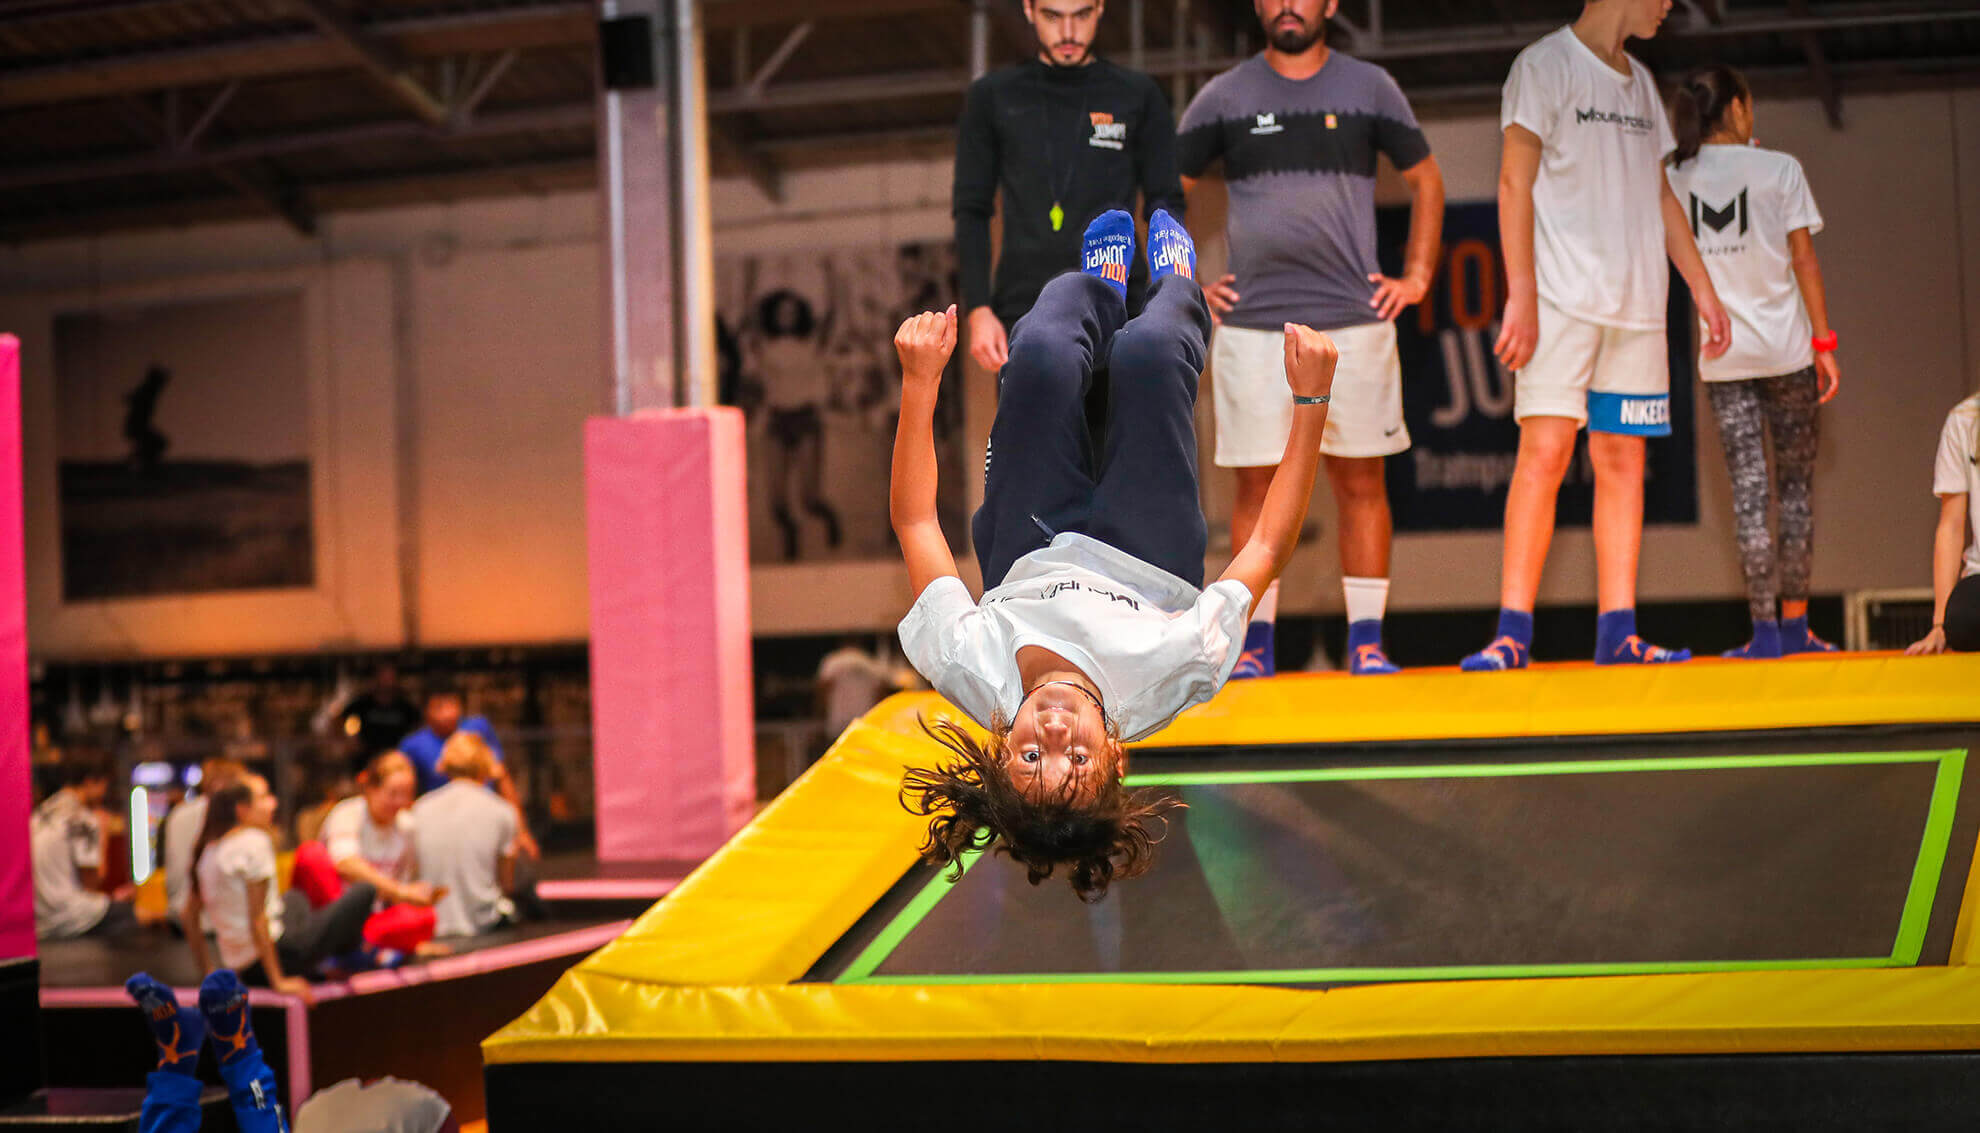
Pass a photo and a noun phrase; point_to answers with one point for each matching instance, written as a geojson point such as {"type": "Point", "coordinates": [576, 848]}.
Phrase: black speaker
{"type": "Point", "coordinates": [625, 52]}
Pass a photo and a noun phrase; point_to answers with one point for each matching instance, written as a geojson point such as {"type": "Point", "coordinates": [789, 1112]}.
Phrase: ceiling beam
{"type": "Point", "coordinates": [554, 23]}
{"type": "Point", "coordinates": [387, 66]}
{"type": "Point", "coordinates": [568, 116]}
{"type": "Point", "coordinates": [260, 181]}
{"type": "Point", "coordinates": [1818, 68]}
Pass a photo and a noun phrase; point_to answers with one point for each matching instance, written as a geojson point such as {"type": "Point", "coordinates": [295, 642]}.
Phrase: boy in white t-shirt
{"type": "Point", "coordinates": [1586, 221]}
{"type": "Point", "coordinates": [1092, 629]}
{"type": "Point", "coordinates": [1956, 575]}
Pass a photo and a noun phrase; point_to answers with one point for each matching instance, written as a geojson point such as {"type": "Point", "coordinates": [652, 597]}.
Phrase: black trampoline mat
{"type": "Point", "coordinates": [1490, 862]}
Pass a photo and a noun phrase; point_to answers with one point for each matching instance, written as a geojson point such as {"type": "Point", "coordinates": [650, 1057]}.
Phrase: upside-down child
{"type": "Point", "coordinates": [1094, 629]}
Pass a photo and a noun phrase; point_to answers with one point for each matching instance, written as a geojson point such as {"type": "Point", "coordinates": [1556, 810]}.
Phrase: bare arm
{"type": "Point", "coordinates": [1310, 361]}
{"type": "Point", "coordinates": [924, 343]}
{"type": "Point", "coordinates": [264, 942]}
{"type": "Point", "coordinates": [1948, 543]}
{"type": "Point", "coordinates": [355, 868]}
{"type": "Point", "coordinates": [1220, 295]}
{"type": "Point", "coordinates": [1426, 227]}
{"type": "Point", "coordinates": [1683, 251]}
{"type": "Point", "coordinates": [195, 935]}
{"type": "Point", "coordinates": [505, 869]}
{"type": "Point", "coordinates": [1519, 167]}
{"type": "Point", "coordinates": [1808, 276]}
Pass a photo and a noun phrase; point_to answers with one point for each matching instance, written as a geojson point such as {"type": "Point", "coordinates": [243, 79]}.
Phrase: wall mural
{"type": "Point", "coordinates": [807, 352]}
{"type": "Point", "coordinates": [183, 443]}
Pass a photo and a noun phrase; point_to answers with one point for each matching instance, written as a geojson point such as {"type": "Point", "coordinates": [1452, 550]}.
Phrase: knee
{"type": "Point", "coordinates": [1359, 483]}
{"type": "Point", "coordinates": [1545, 456]}
{"type": "Point", "coordinates": [1041, 370]}
{"type": "Point", "coordinates": [361, 893]}
{"type": "Point", "coordinates": [1616, 456]}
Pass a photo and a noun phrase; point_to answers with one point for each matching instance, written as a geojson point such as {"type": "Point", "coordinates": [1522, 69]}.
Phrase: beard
{"type": "Point", "coordinates": [1295, 40]}
{"type": "Point", "coordinates": [1051, 53]}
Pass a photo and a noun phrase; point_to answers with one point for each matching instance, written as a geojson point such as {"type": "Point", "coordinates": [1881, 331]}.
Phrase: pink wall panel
{"type": "Point", "coordinates": [672, 712]}
{"type": "Point", "coordinates": [16, 881]}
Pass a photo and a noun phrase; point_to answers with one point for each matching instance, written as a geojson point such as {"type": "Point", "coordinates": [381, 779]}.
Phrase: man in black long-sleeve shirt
{"type": "Point", "coordinates": [1066, 136]}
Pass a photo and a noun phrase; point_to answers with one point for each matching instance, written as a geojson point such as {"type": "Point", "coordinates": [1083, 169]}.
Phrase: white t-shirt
{"type": "Point", "coordinates": [65, 838]}
{"type": "Point", "coordinates": [389, 1105]}
{"type": "Point", "coordinates": [1153, 643]}
{"type": "Point", "coordinates": [225, 870]}
{"type": "Point", "coordinates": [182, 828]}
{"type": "Point", "coordinates": [461, 831]}
{"type": "Point", "coordinates": [1742, 201]}
{"type": "Point", "coordinates": [349, 832]}
{"type": "Point", "coordinates": [1598, 229]}
{"type": "Point", "coordinates": [1956, 472]}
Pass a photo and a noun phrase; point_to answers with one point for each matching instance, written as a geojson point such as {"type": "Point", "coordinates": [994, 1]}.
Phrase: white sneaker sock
{"type": "Point", "coordinates": [1367, 598]}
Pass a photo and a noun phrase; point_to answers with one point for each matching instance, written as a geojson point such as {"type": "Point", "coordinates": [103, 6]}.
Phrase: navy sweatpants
{"type": "Point", "coordinates": [1042, 478]}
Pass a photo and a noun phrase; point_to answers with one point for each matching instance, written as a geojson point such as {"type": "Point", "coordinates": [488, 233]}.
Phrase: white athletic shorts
{"type": "Point", "coordinates": [1254, 403]}
{"type": "Point", "coordinates": [1612, 380]}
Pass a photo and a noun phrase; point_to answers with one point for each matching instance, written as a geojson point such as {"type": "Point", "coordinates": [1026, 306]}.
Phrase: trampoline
{"type": "Point", "coordinates": [1715, 892]}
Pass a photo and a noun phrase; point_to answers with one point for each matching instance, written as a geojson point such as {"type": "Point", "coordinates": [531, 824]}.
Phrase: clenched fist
{"type": "Point", "coordinates": [924, 343]}
{"type": "Point", "coordinates": [1310, 360]}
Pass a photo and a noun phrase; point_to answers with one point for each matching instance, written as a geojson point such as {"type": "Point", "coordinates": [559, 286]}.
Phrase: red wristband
{"type": "Point", "coordinates": [1824, 342]}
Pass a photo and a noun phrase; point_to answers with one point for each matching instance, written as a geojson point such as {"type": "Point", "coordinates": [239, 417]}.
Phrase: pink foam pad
{"type": "Point", "coordinates": [16, 882]}
{"type": "Point", "coordinates": [671, 706]}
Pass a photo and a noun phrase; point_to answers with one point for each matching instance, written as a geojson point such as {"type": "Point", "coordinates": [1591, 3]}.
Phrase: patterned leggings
{"type": "Point", "coordinates": [1748, 410]}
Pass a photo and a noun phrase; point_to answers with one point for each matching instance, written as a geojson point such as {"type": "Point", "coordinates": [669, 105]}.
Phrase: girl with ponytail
{"type": "Point", "coordinates": [1754, 220]}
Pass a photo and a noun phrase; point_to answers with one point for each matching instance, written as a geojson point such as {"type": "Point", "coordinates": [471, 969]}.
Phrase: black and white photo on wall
{"type": "Point", "coordinates": [806, 345]}
{"type": "Point", "coordinates": [182, 441]}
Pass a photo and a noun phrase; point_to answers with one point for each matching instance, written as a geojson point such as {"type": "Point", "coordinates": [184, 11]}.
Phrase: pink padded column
{"type": "Point", "coordinates": [16, 880]}
{"type": "Point", "coordinates": [671, 707]}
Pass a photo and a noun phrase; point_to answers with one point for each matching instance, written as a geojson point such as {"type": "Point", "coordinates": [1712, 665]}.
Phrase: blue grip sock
{"type": "Point", "coordinates": [224, 1002]}
{"type": "Point", "coordinates": [1616, 642]}
{"type": "Point", "coordinates": [178, 1030]}
{"type": "Point", "coordinates": [1256, 659]}
{"type": "Point", "coordinates": [1796, 637]}
{"type": "Point", "coordinates": [1108, 247]}
{"type": "Point", "coordinates": [1766, 643]}
{"type": "Point", "coordinates": [1518, 625]}
{"type": "Point", "coordinates": [1170, 249]}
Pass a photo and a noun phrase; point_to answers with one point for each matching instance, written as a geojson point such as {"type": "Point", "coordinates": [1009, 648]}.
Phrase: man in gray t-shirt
{"type": "Point", "coordinates": [465, 837]}
{"type": "Point", "coordinates": [1298, 129]}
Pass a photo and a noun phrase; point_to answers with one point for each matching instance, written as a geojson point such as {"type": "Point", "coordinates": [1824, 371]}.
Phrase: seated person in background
{"type": "Point", "coordinates": [369, 838]}
{"type": "Point", "coordinates": [465, 839]}
{"type": "Point", "coordinates": [444, 719]}
{"type": "Point", "coordinates": [181, 829]}
{"type": "Point", "coordinates": [1956, 576]}
{"type": "Point", "coordinates": [234, 886]}
{"type": "Point", "coordinates": [65, 839]}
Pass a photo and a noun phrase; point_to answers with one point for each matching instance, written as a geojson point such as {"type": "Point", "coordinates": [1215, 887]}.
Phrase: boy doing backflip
{"type": "Point", "coordinates": [1587, 221]}
{"type": "Point", "coordinates": [1094, 628]}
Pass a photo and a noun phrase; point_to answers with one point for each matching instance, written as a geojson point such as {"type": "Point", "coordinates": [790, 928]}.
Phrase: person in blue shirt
{"type": "Point", "coordinates": [444, 716]}
{"type": "Point", "coordinates": [445, 710]}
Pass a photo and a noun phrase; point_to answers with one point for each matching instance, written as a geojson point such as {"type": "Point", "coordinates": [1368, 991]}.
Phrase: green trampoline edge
{"type": "Point", "coordinates": [1932, 848]}
{"type": "Point", "coordinates": [1909, 942]}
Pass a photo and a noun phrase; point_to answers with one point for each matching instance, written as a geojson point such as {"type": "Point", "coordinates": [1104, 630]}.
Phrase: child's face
{"type": "Point", "coordinates": [1058, 745]}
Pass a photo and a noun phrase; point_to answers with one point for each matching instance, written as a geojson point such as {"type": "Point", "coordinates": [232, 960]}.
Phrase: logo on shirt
{"type": "Point", "coordinates": [1268, 124]}
{"type": "Point", "coordinates": [1704, 216]}
{"type": "Point", "coordinates": [1332, 122]}
{"type": "Point", "coordinates": [1630, 123]}
{"type": "Point", "coordinates": [1107, 133]}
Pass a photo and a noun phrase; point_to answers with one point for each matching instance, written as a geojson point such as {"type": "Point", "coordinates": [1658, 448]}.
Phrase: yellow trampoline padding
{"type": "Point", "coordinates": [591, 1018]}
{"type": "Point", "coordinates": [707, 973]}
{"type": "Point", "coordinates": [1707, 695]}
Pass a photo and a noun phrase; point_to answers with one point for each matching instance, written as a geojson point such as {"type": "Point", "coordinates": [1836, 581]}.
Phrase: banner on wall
{"type": "Point", "coordinates": [1458, 398]}
{"type": "Point", "coordinates": [807, 352]}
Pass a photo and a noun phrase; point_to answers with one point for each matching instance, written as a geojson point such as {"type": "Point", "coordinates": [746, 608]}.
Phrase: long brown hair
{"type": "Point", "coordinates": [223, 813]}
{"type": "Point", "coordinates": [1699, 105]}
{"type": "Point", "coordinates": [971, 804]}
